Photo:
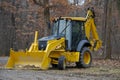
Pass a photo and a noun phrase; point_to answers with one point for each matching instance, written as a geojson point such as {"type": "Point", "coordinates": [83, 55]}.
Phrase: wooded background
{"type": "Point", "coordinates": [20, 18]}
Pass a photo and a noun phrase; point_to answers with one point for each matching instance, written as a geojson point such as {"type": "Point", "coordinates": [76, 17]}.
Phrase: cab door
{"type": "Point", "coordinates": [78, 34]}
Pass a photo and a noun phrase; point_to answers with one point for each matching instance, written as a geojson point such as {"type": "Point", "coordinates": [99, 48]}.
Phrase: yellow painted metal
{"type": "Point", "coordinates": [75, 18]}
{"type": "Point", "coordinates": [34, 45]}
{"type": "Point", "coordinates": [33, 58]}
{"type": "Point", "coordinates": [91, 27]}
{"type": "Point", "coordinates": [86, 58]}
{"type": "Point", "coordinates": [25, 59]}
{"type": "Point", "coordinates": [41, 59]}
{"type": "Point", "coordinates": [50, 47]}
{"type": "Point", "coordinates": [70, 56]}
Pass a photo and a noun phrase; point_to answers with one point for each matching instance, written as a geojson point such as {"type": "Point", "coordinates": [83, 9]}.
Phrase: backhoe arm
{"type": "Point", "coordinates": [90, 27]}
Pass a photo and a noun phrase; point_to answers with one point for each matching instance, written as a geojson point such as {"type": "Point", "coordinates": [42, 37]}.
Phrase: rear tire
{"type": "Point", "coordinates": [61, 63]}
{"type": "Point", "coordinates": [85, 58]}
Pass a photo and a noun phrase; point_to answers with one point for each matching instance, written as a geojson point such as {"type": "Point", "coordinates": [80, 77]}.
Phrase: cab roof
{"type": "Point", "coordinates": [75, 18]}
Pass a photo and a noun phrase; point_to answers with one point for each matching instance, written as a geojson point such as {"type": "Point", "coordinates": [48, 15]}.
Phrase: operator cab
{"type": "Point", "coordinates": [72, 30]}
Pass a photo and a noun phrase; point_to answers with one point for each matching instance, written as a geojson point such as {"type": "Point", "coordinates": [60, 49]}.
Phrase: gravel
{"type": "Point", "coordinates": [100, 70]}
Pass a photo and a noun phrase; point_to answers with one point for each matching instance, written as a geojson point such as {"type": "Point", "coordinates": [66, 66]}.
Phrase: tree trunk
{"type": "Point", "coordinates": [46, 16]}
{"type": "Point", "coordinates": [107, 29]}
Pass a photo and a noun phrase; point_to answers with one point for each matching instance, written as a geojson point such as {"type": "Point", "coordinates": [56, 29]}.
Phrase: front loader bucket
{"type": "Point", "coordinates": [32, 59]}
{"type": "Point", "coordinates": [27, 60]}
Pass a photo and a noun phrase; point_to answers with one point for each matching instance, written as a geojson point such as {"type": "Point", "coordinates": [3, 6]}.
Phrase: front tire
{"type": "Point", "coordinates": [85, 58]}
{"type": "Point", "coordinates": [54, 65]}
{"type": "Point", "coordinates": [61, 63]}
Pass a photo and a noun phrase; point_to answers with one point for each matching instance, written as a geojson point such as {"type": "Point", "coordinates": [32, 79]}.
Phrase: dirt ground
{"type": "Point", "coordinates": [100, 70]}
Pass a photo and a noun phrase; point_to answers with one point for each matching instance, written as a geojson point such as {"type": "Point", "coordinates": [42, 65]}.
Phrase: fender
{"type": "Point", "coordinates": [82, 43]}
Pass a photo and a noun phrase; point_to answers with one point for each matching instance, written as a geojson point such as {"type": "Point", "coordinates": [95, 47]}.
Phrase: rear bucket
{"type": "Point", "coordinates": [27, 60]}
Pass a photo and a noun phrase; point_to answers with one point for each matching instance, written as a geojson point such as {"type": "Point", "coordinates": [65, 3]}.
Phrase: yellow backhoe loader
{"type": "Point", "coordinates": [70, 42]}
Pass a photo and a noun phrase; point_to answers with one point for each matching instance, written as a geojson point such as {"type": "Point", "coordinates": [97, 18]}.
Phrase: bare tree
{"type": "Point", "coordinates": [108, 46]}
{"type": "Point", "coordinates": [45, 5]}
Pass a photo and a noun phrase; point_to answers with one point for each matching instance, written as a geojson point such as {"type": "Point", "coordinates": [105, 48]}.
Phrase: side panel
{"type": "Point", "coordinates": [83, 43]}
{"type": "Point", "coordinates": [70, 56]}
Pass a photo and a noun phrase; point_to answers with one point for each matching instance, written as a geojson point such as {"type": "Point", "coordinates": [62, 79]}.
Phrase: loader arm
{"type": "Point", "coordinates": [51, 46]}
{"type": "Point", "coordinates": [90, 27]}
{"type": "Point", "coordinates": [34, 45]}
{"type": "Point", "coordinates": [34, 58]}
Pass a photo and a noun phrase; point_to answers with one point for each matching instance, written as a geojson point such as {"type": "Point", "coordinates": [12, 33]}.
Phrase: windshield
{"type": "Point", "coordinates": [59, 27]}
